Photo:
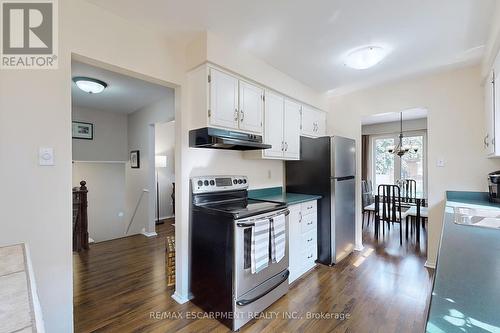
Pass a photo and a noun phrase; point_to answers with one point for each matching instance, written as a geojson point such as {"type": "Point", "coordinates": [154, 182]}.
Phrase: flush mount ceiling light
{"type": "Point", "coordinates": [365, 57]}
{"type": "Point", "coordinates": [90, 85]}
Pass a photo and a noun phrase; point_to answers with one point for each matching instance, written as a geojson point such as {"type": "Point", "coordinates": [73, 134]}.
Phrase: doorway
{"type": "Point", "coordinates": [114, 152]}
{"type": "Point", "coordinates": [394, 179]}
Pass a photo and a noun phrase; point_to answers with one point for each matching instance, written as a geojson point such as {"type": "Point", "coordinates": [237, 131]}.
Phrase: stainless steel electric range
{"type": "Point", "coordinates": [222, 281]}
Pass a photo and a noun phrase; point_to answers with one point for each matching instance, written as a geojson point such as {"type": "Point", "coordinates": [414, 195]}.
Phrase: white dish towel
{"type": "Point", "coordinates": [260, 245]}
{"type": "Point", "coordinates": [278, 237]}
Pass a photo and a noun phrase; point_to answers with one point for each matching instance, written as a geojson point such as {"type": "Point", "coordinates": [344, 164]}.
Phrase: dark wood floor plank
{"type": "Point", "coordinates": [384, 288]}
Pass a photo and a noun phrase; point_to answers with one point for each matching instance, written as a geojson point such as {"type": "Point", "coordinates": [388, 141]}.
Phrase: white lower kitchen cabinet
{"type": "Point", "coordinates": [302, 244]}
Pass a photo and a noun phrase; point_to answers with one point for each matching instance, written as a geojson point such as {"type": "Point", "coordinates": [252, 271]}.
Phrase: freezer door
{"type": "Point", "coordinates": [343, 221]}
{"type": "Point", "coordinates": [343, 155]}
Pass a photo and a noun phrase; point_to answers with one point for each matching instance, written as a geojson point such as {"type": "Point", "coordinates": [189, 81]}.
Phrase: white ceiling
{"type": "Point", "coordinates": [124, 94]}
{"type": "Point", "coordinates": [308, 39]}
{"type": "Point", "coordinates": [411, 114]}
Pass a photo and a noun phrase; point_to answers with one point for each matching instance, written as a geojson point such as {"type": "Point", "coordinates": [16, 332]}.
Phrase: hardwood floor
{"type": "Point", "coordinates": [384, 288]}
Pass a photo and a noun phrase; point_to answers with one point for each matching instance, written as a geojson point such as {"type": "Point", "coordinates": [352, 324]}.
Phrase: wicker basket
{"type": "Point", "coordinates": [170, 261]}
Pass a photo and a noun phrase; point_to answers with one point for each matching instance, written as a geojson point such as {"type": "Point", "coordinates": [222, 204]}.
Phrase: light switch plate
{"type": "Point", "coordinates": [46, 156]}
{"type": "Point", "coordinates": [440, 163]}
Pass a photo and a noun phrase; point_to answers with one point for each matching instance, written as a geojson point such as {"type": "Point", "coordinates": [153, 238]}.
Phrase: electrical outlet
{"type": "Point", "coordinates": [440, 163]}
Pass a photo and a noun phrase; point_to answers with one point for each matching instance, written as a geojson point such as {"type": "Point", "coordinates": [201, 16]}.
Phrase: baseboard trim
{"type": "Point", "coordinates": [181, 299]}
{"type": "Point", "coordinates": [166, 217]}
{"type": "Point", "coordinates": [149, 234]}
{"type": "Point", "coordinates": [359, 248]}
{"type": "Point", "coordinates": [430, 265]}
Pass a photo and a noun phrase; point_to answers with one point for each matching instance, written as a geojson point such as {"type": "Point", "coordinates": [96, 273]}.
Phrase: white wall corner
{"type": "Point", "coordinates": [359, 247]}
{"type": "Point", "coordinates": [181, 299]}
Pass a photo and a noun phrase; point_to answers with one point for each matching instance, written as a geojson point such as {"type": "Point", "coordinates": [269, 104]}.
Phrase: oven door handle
{"type": "Point", "coordinates": [247, 223]}
{"type": "Point", "coordinates": [244, 302]}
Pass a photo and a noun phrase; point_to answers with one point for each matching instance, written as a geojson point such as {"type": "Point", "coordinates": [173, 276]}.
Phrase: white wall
{"type": "Point", "coordinates": [110, 136]}
{"type": "Point", "coordinates": [106, 198]}
{"type": "Point", "coordinates": [35, 111]}
{"type": "Point", "coordinates": [454, 101]}
{"type": "Point", "coordinates": [105, 180]}
{"type": "Point", "coordinates": [141, 137]}
{"type": "Point", "coordinates": [165, 145]}
{"type": "Point", "coordinates": [394, 127]}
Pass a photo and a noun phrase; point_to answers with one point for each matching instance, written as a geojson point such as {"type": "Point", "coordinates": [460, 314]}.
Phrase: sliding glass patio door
{"type": "Point", "coordinates": [388, 168]}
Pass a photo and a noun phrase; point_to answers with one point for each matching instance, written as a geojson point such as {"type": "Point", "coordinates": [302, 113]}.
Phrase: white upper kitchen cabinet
{"type": "Point", "coordinates": [281, 128]}
{"type": "Point", "coordinates": [291, 130]}
{"type": "Point", "coordinates": [273, 125]}
{"type": "Point", "coordinates": [251, 107]}
{"type": "Point", "coordinates": [223, 96]}
{"type": "Point", "coordinates": [313, 122]}
{"type": "Point", "coordinates": [224, 100]}
{"type": "Point", "coordinates": [492, 111]}
{"type": "Point", "coordinates": [489, 138]}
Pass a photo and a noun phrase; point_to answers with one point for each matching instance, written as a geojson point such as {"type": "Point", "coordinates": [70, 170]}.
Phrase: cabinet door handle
{"type": "Point", "coordinates": [242, 115]}
{"type": "Point", "coordinates": [309, 223]}
{"type": "Point", "coordinates": [300, 218]}
{"type": "Point", "coordinates": [282, 145]}
{"type": "Point", "coordinates": [286, 146]}
{"type": "Point", "coordinates": [310, 240]}
{"type": "Point", "coordinates": [235, 114]}
{"type": "Point", "coordinates": [310, 256]}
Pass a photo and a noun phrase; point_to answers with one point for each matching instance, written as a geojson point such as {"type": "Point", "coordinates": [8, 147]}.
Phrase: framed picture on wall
{"type": "Point", "coordinates": [135, 159]}
{"type": "Point", "coordinates": [82, 130]}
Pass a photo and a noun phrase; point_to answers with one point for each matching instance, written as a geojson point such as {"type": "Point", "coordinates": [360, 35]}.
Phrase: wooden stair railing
{"type": "Point", "coordinates": [80, 218]}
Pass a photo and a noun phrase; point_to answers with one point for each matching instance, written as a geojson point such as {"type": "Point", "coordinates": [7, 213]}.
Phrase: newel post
{"type": "Point", "coordinates": [83, 215]}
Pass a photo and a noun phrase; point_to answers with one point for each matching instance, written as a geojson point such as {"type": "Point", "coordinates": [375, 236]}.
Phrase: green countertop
{"type": "Point", "coordinates": [276, 194]}
{"type": "Point", "coordinates": [466, 292]}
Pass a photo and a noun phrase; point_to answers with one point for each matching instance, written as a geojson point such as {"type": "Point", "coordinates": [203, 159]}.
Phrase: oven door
{"type": "Point", "coordinates": [244, 280]}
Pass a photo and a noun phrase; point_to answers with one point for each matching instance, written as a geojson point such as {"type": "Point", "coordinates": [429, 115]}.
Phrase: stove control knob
{"type": "Point", "coordinates": [235, 182]}
{"type": "Point", "coordinates": [205, 182]}
{"type": "Point", "coordinates": [240, 181]}
{"type": "Point", "coordinates": [200, 183]}
{"type": "Point", "coordinates": [212, 182]}
{"type": "Point", "coordinates": [244, 181]}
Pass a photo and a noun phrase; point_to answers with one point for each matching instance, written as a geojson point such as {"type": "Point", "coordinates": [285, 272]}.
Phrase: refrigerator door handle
{"type": "Point", "coordinates": [342, 178]}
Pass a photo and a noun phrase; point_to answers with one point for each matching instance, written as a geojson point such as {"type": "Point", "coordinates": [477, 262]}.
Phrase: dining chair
{"type": "Point", "coordinates": [409, 187]}
{"type": "Point", "coordinates": [367, 201]}
{"type": "Point", "coordinates": [388, 209]}
{"type": "Point", "coordinates": [420, 214]}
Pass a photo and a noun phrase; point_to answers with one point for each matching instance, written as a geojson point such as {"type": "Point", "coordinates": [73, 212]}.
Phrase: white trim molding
{"type": "Point", "coordinates": [149, 234]}
{"type": "Point", "coordinates": [431, 265]}
{"type": "Point", "coordinates": [359, 247]}
{"type": "Point", "coordinates": [181, 299]}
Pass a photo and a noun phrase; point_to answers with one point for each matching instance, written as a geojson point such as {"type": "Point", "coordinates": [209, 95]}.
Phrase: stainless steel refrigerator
{"type": "Point", "coordinates": [327, 167]}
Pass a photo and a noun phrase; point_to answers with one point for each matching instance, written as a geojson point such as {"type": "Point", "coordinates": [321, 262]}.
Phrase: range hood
{"type": "Point", "coordinates": [215, 138]}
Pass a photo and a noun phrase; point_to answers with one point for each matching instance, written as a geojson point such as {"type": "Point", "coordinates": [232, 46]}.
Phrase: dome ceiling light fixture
{"type": "Point", "coordinates": [90, 85]}
{"type": "Point", "coordinates": [365, 57]}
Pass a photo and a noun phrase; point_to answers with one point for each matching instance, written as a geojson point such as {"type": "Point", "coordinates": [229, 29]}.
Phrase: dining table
{"type": "Point", "coordinates": [415, 207]}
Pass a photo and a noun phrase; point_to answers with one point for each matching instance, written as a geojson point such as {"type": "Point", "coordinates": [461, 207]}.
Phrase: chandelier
{"type": "Point", "coordinates": [400, 150]}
